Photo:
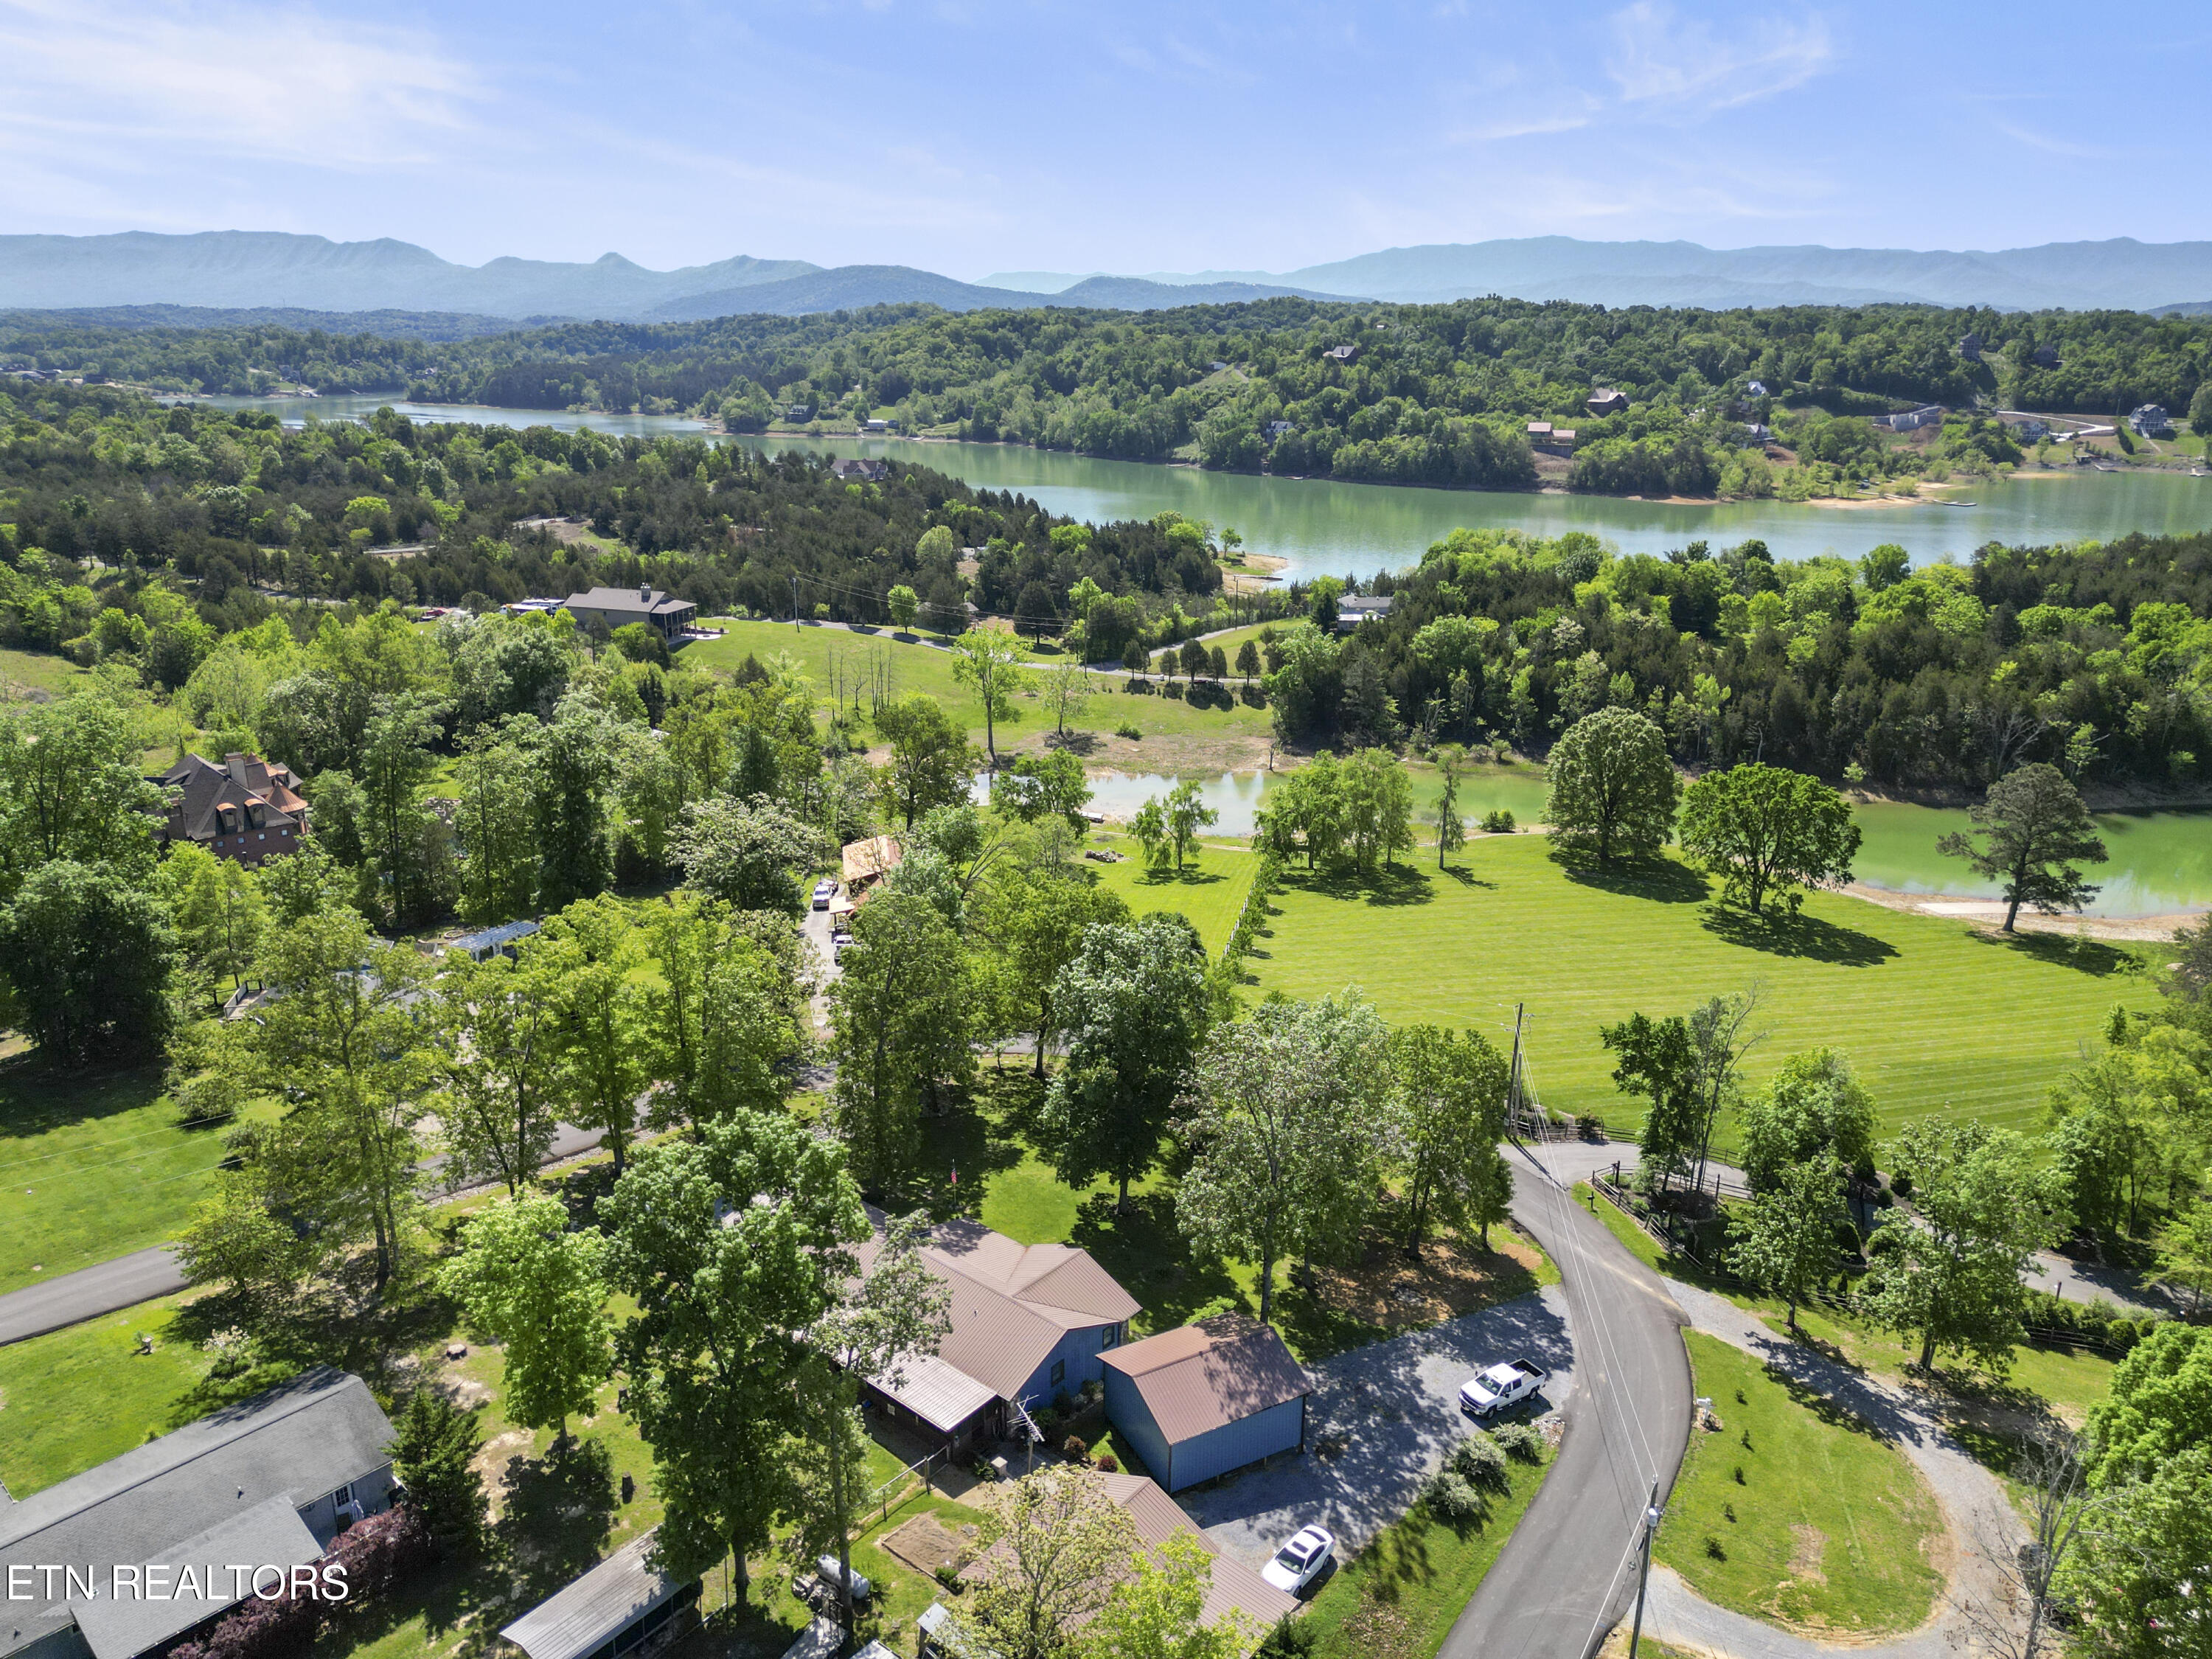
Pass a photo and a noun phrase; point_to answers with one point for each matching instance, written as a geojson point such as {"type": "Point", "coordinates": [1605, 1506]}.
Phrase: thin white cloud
{"type": "Point", "coordinates": [2055, 143]}
{"type": "Point", "coordinates": [1662, 60]}
{"type": "Point", "coordinates": [262, 83]}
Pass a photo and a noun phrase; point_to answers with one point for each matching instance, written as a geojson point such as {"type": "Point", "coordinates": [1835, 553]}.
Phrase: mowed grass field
{"type": "Point", "coordinates": [1209, 890]}
{"type": "Point", "coordinates": [831, 655]}
{"type": "Point", "coordinates": [1936, 1016]}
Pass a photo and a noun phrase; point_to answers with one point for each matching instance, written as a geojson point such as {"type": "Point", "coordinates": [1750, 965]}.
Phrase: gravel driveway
{"type": "Point", "coordinates": [1395, 1405]}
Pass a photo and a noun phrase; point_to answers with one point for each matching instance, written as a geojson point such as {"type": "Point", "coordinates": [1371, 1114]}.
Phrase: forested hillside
{"type": "Point", "coordinates": [1430, 394]}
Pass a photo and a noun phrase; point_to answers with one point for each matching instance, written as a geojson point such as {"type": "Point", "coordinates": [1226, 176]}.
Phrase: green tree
{"type": "Point", "coordinates": [1659, 1061]}
{"type": "Point", "coordinates": [1451, 828]}
{"type": "Point", "coordinates": [1378, 807]}
{"type": "Point", "coordinates": [931, 758]}
{"type": "Point", "coordinates": [2157, 1406]}
{"type": "Point", "coordinates": [2137, 1577]}
{"type": "Point", "coordinates": [990, 663]}
{"type": "Point", "coordinates": [1248, 660]}
{"type": "Point", "coordinates": [725, 1016]}
{"type": "Point", "coordinates": [592, 952]}
{"type": "Point", "coordinates": [1285, 1158]}
{"type": "Point", "coordinates": [1614, 789]}
{"type": "Point", "coordinates": [1036, 786]}
{"type": "Point", "coordinates": [1149, 825]}
{"type": "Point", "coordinates": [401, 838]}
{"type": "Point", "coordinates": [71, 788]}
{"type": "Point", "coordinates": [1040, 925]}
{"type": "Point", "coordinates": [572, 768]}
{"type": "Point", "coordinates": [2185, 1256]}
{"type": "Point", "coordinates": [1951, 1276]}
{"type": "Point", "coordinates": [1446, 1116]}
{"type": "Point", "coordinates": [2036, 830]}
{"type": "Point", "coordinates": [218, 916]}
{"type": "Point", "coordinates": [899, 1016]}
{"type": "Point", "coordinates": [1051, 1555]}
{"type": "Point", "coordinates": [1785, 1237]}
{"type": "Point", "coordinates": [1186, 813]}
{"type": "Point", "coordinates": [1158, 1610]}
{"type": "Point", "coordinates": [749, 854]}
{"type": "Point", "coordinates": [434, 1454]}
{"type": "Point", "coordinates": [1066, 693]}
{"type": "Point", "coordinates": [528, 1283]}
{"type": "Point", "coordinates": [732, 1245]}
{"type": "Point", "coordinates": [88, 954]}
{"type": "Point", "coordinates": [1133, 1001]}
{"type": "Point", "coordinates": [499, 863]}
{"type": "Point", "coordinates": [499, 1061]}
{"type": "Point", "coordinates": [904, 605]}
{"type": "Point", "coordinates": [1766, 831]}
{"type": "Point", "coordinates": [1813, 1105]}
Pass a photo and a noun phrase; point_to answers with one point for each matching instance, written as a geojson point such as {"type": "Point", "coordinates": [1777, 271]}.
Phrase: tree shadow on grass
{"type": "Point", "coordinates": [556, 1513]}
{"type": "Point", "coordinates": [36, 1098]}
{"type": "Point", "coordinates": [2087, 956]}
{"type": "Point", "coordinates": [1189, 875]}
{"type": "Point", "coordinates": [1810, 937]}
{"type": "Point", "coordinates": [338, 1322]}
{"type": "Point", "coordinates": [978, 1139]}
{"type": "Point", "coordinates": [1665, 880]}
{"type": "Point", "coordinates": [1390, 885]}
{"type": "Point", "coordinates": [1148, 1254]}
{"type": "Point", "coordinates": [1469, 878]}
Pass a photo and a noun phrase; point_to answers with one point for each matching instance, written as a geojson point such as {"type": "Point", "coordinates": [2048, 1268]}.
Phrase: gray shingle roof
{"type": "Point", "coordinates": [575, 1620]}
{"type": "Point", "coordinates": [301, 1440]}
{"type": "Point", "coordinates": [269, 1534]}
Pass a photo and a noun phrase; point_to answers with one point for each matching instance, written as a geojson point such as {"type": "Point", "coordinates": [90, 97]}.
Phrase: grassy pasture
{"type": "Point", "coordinates": [1936, 1015]}
{"type": "Point", "coordinates": [1209, 890]}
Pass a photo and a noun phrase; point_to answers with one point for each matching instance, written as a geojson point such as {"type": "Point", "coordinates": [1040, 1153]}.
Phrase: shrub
{"type": "Point", "coordinates": [1480, 1460]}
{"type": "Point", "coordinates": [1073, 1449]}
{"type": "Point", "coordinates": [1452, 1500]}
{"type": "Point", "coordinates": [1105, 1464]}
{"type": "Point", "coordinates": [1128, 729]}
{"type": "Point", "coordinates": [1901, 1184]}
{"type": "Point", "coordinates": [948, 1575]}
{"type": "Point", "coordinates": [1498, 823]}
{"type": "Point", "coordinates": [1519, 1440]}
{"type": "Point", "coordinates": [1292, 1638]}
{"type": "Point", "coordinates": [1589, 1127]}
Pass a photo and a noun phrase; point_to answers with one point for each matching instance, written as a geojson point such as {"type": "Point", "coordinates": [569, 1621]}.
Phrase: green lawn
{"type": "Point", "coordinates": [80, 1396]}
{"type": "Point", "coordinates": [1937, 1016]}
{"type": "Point", "coordinates": [69, 1147]}
{"type": "Point", "coordinates": [1831, 1527]}
{"type": "Point", "coordinates": [37, 671]}
{"type": "Point", "coordinates": [1209, 890]}
{"type": "Point", "coordinates": [1399, 1596]}
{"type": "Point", "coordinates": [833, 657]}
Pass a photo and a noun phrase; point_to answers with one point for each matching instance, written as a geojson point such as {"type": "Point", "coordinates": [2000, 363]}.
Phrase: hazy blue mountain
{"type": "Point", "coordinates": [384, 324]}
{"type": "Point", "coordinates": [2121, 273]}
{"type": "Point", "coordinates": [1143, 293]}
{"type": "Point", "coordinates": [849, 287]}
{"type": "Point", "coordinates": [269, 268]}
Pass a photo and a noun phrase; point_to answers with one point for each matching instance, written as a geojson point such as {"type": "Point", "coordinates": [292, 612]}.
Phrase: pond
{"type": "Point", "coordinates": [2162, 862]}
{"type": "Point", "coordinates": [1320, 527]}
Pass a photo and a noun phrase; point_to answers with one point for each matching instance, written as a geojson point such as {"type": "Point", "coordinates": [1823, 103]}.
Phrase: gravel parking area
{"type": "Point", "coordinates": [1380, 1421]}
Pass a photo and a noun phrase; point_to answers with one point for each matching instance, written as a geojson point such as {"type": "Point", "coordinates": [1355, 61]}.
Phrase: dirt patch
{"type": "Point", "coordinates": [925, 1544]}
{"type": "Point", "coordinates": [1453, 1277]}
{"type": "Point", "coordinates": [491, 1460]}
{"type": "Point", "coordinates": [1807, 1544]}
{"type": "Point", "coordinates": [1184, 753]}
{"type": "Point", "coordinates": [1989, 914]}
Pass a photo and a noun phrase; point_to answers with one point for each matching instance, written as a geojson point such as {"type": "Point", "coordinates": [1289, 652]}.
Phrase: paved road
{"type": "Point", "coordinates": [143, 1275]}
{"type": "Point", "coordinates": [1380, 1421]}
{"type": "Point", "coordinates": [1565, 1576]}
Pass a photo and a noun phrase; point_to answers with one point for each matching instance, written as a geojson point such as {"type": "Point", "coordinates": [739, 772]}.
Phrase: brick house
{"type": "Point", "coordinates": [246, 809]}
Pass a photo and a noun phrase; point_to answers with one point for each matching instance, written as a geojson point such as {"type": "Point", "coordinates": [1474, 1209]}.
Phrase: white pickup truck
{"type": "Point", "coordinates": [1501, 1386]}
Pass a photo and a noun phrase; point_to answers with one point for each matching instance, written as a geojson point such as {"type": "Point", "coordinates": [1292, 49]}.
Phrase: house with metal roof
{"type": "Point", "coordinates": [1206, 1399]}
{"type": "Point", "coordinates": [491, 942]}
{"type": "Point", "coordinates": [619, 607]}
{"type": "Point", "coordinates": [1354, 609]}
{"type": "Point", "coordinates": [268, 1482]}
{"type": "Point", "coordinates": [1029, 1324]}
{"type": "Point", "coordinates": [245, 810]}
{"type": "Point", "coordinates": [624, 1606]}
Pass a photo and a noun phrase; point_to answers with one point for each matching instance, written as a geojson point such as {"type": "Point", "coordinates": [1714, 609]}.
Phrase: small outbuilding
{"type": "Point", "coordinates": [621, 1606]}
{"type": "Point", "coordinates": [491, 942]}
{"type": "Point", "coordinates": [1208, 1398]}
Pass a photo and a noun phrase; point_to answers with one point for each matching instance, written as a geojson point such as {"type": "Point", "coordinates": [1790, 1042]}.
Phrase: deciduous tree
{"type": "Point", "coordinates": [931, 758]}
{"type": "Point", "coordinates": [1614, 789]}
{"type": "Point", "coordinates": [1447, 1113]}
{"type": "Point", "coordinates": [2035, 831]}
{"type": "Point", "coordinates": [900, 1020]}
{"type": "Point", "coordinates": [527, 1282]}
{"type": "Point", "coordinates": [1052, 1553]}
{"type": "Point", "coordinates": [1766, 831]}
{"type": "Point", "coordinates": [1785, 1238]}
{"type": "Point", "coordinates": [990, 663]}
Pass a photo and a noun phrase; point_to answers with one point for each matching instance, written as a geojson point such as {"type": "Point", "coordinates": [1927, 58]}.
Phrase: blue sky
{"type": "Point", "coordinates": [969, 136]}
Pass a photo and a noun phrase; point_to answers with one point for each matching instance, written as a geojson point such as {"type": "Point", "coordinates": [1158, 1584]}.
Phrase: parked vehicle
{"type": "Point", "coordinates": [1299, 1563]}
{"type": "Point", "coordinates": [824, 890]}
{"type": "Point", "coordinates": [1501, 1386]}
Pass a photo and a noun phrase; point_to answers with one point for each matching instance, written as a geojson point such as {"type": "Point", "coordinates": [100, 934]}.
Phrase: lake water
{"type": "Point", "coordinates": [1322, 528]}
{"type": "Point", "coordinates": [2162, 862]}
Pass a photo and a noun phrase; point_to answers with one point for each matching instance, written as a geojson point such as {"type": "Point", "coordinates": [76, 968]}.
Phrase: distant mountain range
{"type": "Point", "coordinates": [2121, 274]}
{"type": "Point", "coordinates": [268, 271]}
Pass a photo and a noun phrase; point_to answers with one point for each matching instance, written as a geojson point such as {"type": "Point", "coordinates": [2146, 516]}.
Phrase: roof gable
{"type": "Point", "coordinates": [1204, 1376]}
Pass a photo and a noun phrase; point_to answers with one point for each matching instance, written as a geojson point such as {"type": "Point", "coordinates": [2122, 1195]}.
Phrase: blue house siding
{"type": "Point", "coordinates": [1077, 1354]}
{"type": "Point", "coordinates": [1126, 1411]}
{"type": "Point", "coordinates": [1232, 1446]}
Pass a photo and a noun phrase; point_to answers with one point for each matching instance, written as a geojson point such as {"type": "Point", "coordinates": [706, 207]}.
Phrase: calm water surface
{"type": "Point", "coordinates": [1321, 527]}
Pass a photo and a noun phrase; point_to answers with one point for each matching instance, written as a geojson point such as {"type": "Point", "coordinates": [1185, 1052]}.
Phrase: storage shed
{"type": "Point", "coordinates": [1206, 1399]}
{"type": "Point", "coordinates": [621, 1606]}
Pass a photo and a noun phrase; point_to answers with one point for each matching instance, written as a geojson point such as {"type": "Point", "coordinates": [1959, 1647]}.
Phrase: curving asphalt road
{"type": "Point", "coordinates": [1567, 1575]}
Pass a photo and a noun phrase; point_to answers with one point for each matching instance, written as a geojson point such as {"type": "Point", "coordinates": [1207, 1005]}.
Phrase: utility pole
{"type": "Point", "coordinates": [1643, 1577]}
{"type": "Point", "coordinates": [1513, 1076]}
{"type": "Point", "coordinates": [794, 603]}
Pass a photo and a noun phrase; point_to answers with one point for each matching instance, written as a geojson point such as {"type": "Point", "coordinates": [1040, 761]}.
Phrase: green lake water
{"type": "Point", "coordinates": [1321, 527]}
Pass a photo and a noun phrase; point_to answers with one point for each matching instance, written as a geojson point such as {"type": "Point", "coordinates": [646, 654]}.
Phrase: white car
{"type": "Point", "coordinates": [1501, 1386]}
{"type": "Point", "coordinates": [824, 890]}
{"type": "Point", "coordinates": [1300, 1562]}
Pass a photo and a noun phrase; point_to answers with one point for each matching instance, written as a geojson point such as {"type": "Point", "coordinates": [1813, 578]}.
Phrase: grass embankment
{"type": "Point", "coordinates": [1795, 1511]}
{"type": "Point", "coordinates": [861, 662]}
{"type": "Point", "coordinates": [92, 1167]}
{"type": "Point", "coordinates": [37, 671]}
{"type": "Point", "coordinates": [1398, 1597]}
{"type": "Point", "coordinates": [1937, 1016]}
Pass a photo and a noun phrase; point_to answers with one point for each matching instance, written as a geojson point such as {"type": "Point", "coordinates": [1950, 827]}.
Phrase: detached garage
{"type": "Point", "coordinates": [1208, 1398]}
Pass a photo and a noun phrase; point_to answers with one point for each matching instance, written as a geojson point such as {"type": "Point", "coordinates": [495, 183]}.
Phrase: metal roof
{"type": "Point", "coordinates": [306, 1438]}
{"type": "Point", "coordinates": [491, 939]}
{"type": "Point", "coordinates": [269, 1534]}
{"type": "Point", "coordinates": [579, 1619]}
{"type": "Point", "coordinates": [1204, 1376]}
{"type": "Point", "coordinates": [940, 1394]}
{"type": "Point", "coordinates": [1231, 1584]}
